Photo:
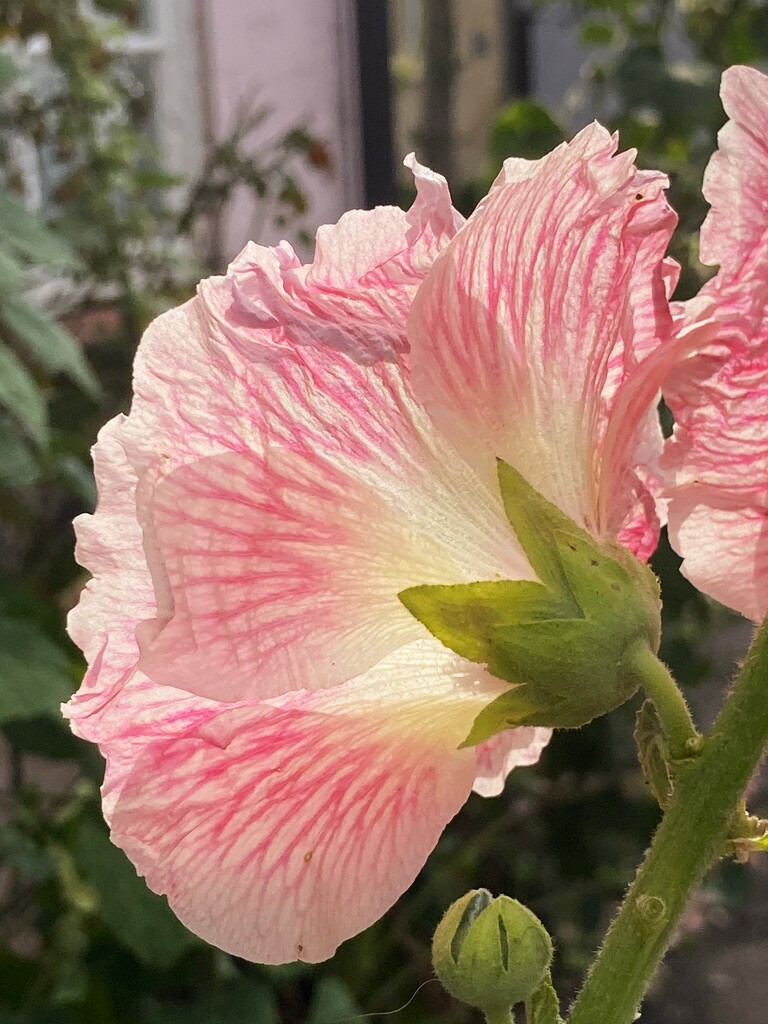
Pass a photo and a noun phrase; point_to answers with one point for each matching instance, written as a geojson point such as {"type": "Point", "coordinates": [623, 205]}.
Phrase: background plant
{"type": "Point", "coordinates": [97, 235]}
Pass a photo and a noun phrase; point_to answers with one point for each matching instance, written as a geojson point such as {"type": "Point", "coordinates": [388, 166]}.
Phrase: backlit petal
{"type": "Point", "coordinates": [278, 830]}
{"type": "Point", "coordinates": [716, 463]}
{"type": "Point", "coordinates": [281, 507]}
{"type": "Point", "coordinates": [356, 293]}
{"type": "Point", "coordinates": [497, 757]}
{"type": "Point", "coordinates": [120, 595]}
{"type": "Point", "coordinates": [533, 320]}
{"type": "Point", "coordinates": [278, 561]}
{"type": "Point", "coordinates": [733, 233]}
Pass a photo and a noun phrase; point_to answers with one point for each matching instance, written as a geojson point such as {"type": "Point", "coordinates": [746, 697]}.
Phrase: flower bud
{"type": "Point", "coordinates": [490, 953]}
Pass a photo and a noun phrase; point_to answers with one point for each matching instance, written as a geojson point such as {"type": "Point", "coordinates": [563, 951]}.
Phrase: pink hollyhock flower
{"type": "Point", "coordinates": [717, 459]}
{"type": "Point", "coordinates": [305, 442]}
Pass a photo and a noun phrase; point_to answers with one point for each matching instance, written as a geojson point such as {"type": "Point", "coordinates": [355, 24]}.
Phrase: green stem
{"type": "Point", "coordinates": [687, 842]}
{"type": "Point", "coordinates": [656, 680]}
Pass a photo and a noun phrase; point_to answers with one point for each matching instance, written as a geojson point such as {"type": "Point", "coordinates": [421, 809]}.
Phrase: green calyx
{"type": "Point", "coordinates": [491, 953]}
{"type": "Point", "coordinates": [570, 644]}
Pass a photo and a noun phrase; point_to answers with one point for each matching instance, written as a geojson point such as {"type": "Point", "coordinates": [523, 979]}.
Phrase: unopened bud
{"type": "Point", "coordinates": [490, 953]}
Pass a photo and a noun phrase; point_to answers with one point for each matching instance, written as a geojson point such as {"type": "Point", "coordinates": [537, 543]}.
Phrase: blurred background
{"type": "Point", "coordinates": [142, 142]}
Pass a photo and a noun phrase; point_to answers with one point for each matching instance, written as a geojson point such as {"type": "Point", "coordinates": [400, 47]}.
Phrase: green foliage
{"type": "Point", "coordinates": [36, 672]}
{"type": "Point", "coordinates": [523, 128]}
{"type": "Point", "coordinates": [241, 1000]}
{"type": "Point", "coordinates": [45, 342]}
{"type": "Point", "coordinates": [332, 1002]}
{"type": "Point", "coordinates": [21, 397]}
{"type": "Point", "coordinates": [136, 917]}
{"type": "Point", "coordinates": [26, 234]}
{"type": "Point", "coordinates": [26, 331]}
{"type": "Point", "coordinates": [231, 165]}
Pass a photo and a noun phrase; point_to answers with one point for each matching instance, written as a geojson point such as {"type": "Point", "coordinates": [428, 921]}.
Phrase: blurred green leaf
{"type": "Point", "coordinates": [52, 738]}
{"type": "Point", "coordinates": [19, 467]}
{"type": "Point", "coordinates": [21, 397]}
{"type": "Point", "coordinates": [9, 71]}
{"type": "Point", "coordinates": [35, 674]}
{"type": "Point", "coordinates": [137, 917]}
{"type": "Point", "coordinates": [26, 233]}
{"type": "Point", "coordinates": [524, 128]}
{"type": "Point", "coordinates": [241, 1001]}
{"type": "Point", "coordinates": [332, 1003]}
{"type": "Point", "coordinates": [76, 476]}
{"type": "Point", "coordinates": [17, 977]}
{"type": "Point", "coordinates": [686, 95]}
{"type": "Point", "coordinates": [11, 272]}
{"type": "Point", "coordinates": [47, 343]}
{"type": "Point", "coordinates": [22, 853]}
{"type": "Point", "coordinates": [596, 33]}
{"type": "Point", "coordinates": [747, 37]}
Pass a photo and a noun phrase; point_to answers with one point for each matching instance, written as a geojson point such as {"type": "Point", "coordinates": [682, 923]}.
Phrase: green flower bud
{"type": "Point", "coordinates": [490, 953]}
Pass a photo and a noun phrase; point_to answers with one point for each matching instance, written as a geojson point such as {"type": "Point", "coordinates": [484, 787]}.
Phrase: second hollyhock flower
{"type": "Point", "coordinates": [717, 460]}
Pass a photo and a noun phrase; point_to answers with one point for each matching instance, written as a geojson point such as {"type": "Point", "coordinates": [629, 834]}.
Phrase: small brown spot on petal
{"type": "Point", "coordinates": [308, 856]}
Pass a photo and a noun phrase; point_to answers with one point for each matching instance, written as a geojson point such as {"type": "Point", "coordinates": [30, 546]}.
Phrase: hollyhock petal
{"type": "Point", "coordinates": [640, 530]}
{"type": "Point", "coordinates": [279, 829]}
{"type": "Point", "coordinates": [356, 294]}
{"type": "Point", "coordinates": [156, 437]}
{"type": "Point", "coordinates": [120, 595]}
{"type": "Point", "coordinates": [717, 472]}
{"type": "Point", "coordinates": [532, 319]}
{"type": "Point", "coordinates": [280, 574]}
{"type": "Point", "coordinates": [720, 444]}
{"type": "Point", "coordinates": [496, 757]}
{"type": "Point", "coordinates": [633, 448]}
{"type": "Point", "coordinates": [734, 230]}
{"type": "Point", "coordinates": [716, 463]}
{"type": "Point", "coordinates": [725, 550]}
{"type": "Point", "coordinates": [277, 562]}
{"type": "Point", "coordinates": [338, 493]}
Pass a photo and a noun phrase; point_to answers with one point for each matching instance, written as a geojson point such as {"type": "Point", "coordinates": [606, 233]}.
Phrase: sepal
{"type": "Point", "coordinates": [566, 643]}
{"type": "Point", "coordinates": [543, 1007]}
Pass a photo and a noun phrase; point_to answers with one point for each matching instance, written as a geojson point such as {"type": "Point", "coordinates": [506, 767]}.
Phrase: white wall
{"type": "Point", "coordinates": [300, 58]}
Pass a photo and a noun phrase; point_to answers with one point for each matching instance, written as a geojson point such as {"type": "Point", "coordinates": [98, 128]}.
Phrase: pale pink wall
{"type": "Point", "coordinates": [298, 57]}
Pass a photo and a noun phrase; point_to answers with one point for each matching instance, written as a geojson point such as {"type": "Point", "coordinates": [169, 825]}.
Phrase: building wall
{"type": "Point", "coordinates": [298, 57]}
{"type": "Point", "coordinates": [478, 86]}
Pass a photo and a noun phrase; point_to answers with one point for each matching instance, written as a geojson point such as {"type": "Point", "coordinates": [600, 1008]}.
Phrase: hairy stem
{"type": "Point", "coordinates": [656, 680]}
{"type": "Point", "coordinates": [687, 842]}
